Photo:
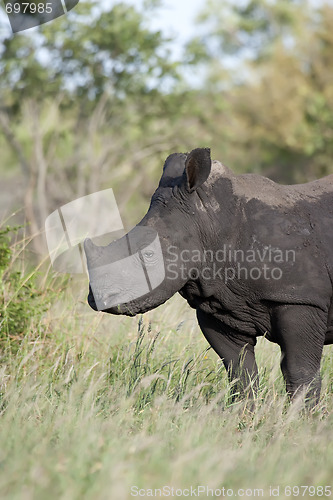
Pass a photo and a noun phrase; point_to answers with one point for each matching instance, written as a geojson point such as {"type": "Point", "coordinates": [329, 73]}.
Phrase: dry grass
{"type": "Point", "coordinates": [93, 405]}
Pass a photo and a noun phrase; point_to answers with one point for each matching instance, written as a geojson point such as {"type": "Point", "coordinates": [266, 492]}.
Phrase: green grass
{"type": "Point", "coordinates": [92, 405]}
{"type": "Point", "coordinates": [99, 404]}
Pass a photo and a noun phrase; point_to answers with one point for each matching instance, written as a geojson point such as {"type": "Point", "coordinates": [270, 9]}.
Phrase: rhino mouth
{"type": "Point", "coordinates": [91, 300]}
{"type": "Point", "coordinates": [127, 309]}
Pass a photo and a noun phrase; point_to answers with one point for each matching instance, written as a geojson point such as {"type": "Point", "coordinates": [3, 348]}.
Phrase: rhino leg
{"type": "Point", "coordinates": [300, 332]}
{"type": "Point", "coordinates": [236, 352]}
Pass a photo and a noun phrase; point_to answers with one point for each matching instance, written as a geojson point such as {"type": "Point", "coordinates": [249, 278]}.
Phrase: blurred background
{"type": "Point", "coordinates": [98, 98]}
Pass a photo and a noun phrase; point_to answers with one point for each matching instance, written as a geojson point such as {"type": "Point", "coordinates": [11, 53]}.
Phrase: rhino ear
{"type": "Point", "coordinates": [173, 168]}
{"type": "Point", "coordinates": [197, 168]}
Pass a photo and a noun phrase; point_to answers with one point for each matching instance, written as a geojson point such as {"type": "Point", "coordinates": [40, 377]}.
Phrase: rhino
{"type": "Point", "coordinates": [252, 257]}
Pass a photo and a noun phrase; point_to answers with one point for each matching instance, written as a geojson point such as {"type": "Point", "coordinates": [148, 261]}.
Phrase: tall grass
{"type": "Point", "coordinates": [95, 406]}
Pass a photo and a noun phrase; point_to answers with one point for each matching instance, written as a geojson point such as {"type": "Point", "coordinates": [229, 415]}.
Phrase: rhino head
{"type": "Point", "coordinates": [142, 270]}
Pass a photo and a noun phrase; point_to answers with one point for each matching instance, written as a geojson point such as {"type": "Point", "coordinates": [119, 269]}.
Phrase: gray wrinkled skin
{"type": "Point", "coordinates": [202, 206]}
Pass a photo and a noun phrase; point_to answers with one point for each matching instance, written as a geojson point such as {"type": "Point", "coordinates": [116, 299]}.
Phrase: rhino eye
{"type": "Point", "coordinates": [148, 254]}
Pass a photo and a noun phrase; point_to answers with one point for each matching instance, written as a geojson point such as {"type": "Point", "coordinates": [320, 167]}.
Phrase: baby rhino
{"type": "Point", "coordinates": [250, 256]}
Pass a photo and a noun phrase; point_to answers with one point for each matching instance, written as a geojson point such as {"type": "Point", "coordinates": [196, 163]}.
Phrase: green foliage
{"type": "Point", "coordinates": [250, 29]}
{"type": "Point", "coordinates": [22, 302]}
{"type": "Point", "coordinates": [5, 251]}
{"type": "Point", "coordinates": [84, 54]}
{"type": "Point", "coordinates": [278, 87]}
{"type": "Point", "coordinates": [111, 109]}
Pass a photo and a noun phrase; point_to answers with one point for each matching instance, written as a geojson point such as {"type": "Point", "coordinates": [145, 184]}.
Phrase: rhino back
{"type": "Point", "coordinates": [269, 220]}
{"type": "Point", "coordinates": [252, 186]}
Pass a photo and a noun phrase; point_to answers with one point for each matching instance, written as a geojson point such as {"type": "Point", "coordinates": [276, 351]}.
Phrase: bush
{"type": "Point", "coordinates": [22, 303]}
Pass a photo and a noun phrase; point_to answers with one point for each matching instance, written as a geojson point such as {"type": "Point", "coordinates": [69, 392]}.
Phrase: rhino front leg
{"type": "Point", "coordinates": [236, 352]}
{"type": "Point", "coordinates": [300, 332]}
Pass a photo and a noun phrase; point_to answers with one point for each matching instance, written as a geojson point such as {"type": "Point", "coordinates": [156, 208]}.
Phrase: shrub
{"type": "Point", "coordinates": [21, 299]}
